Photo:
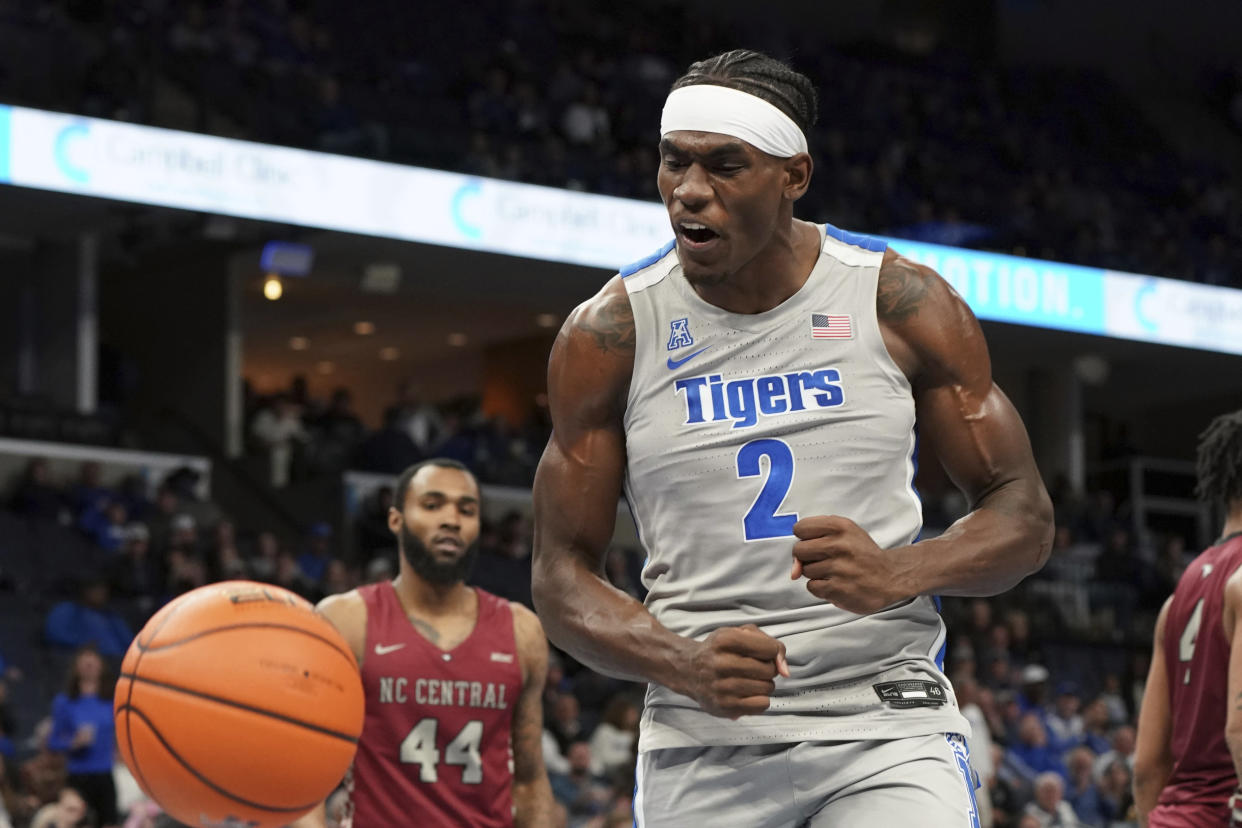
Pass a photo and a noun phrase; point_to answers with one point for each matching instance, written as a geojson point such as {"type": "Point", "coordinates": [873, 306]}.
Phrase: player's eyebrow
{"type": "Point", "coordinates": [728, 149]}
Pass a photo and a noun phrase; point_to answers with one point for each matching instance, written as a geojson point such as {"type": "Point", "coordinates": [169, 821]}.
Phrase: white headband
{"type": "Point", "coordinates": [707, 108]}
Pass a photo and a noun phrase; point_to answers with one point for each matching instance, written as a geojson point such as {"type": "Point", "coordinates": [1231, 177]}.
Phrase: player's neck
{"type": "Point", "coordinates": [776, 273]}
{"type": "Point", "coordinates": [430, 598]}
{"type": "Point", "coordinates": [1233, 523]}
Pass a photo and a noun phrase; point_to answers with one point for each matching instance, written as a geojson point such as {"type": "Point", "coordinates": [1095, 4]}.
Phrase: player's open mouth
{"type": "Point", "coordinates": [695, 235]}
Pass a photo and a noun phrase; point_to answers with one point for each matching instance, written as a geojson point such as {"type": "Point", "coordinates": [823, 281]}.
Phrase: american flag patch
{"type": "Point", "coordinates": [503, 658]}
{"type": "Point", "coordinates": [831, 326]}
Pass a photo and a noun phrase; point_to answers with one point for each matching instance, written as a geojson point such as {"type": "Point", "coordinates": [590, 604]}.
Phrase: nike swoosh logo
{"type": "Point", "coordinates": [381, 649]}
{"type": "Point", "coordinates": [677, 363]}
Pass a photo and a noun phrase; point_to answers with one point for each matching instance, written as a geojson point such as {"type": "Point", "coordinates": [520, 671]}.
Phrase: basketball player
{"type": "Point", "coordinates": [753, 388]}
{"type": "Point", "coordinates": [453, 676]}
{"type": "Point", "coordinates": [1189, 752]}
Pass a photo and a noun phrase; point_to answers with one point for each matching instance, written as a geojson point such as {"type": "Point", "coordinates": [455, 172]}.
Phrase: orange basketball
{"type": "Point", "coordinates": [238, 706]}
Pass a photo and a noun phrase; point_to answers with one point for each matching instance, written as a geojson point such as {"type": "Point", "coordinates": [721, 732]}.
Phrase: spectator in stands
{"type": "Point", "coordinates": [185, 571]}
{"type": "Point", "coordinates": [133, 575]}
{"type": "Point", "coordinates": [335, 433]}
{"type": "Point", "coordinates": [70, 810]}
{"type": "Point", "coordinates": [183, 534]}
{"type": "Point", "coordinates": [89, 492]}
{"type": "Point", "coordinates": [380, 569]}
{"type": "Point", "coordinates": [44, 773]}
{"type": "Point", "coordinates": [565, 721]}
{"type": "Point", "coordinates": [1121, 751]}
{"type": "Point", "coordinates": [613, 742]}
{"type": "Point", "coordinates": [35, 496]}
{"type": "Point", "coordinates": [266, 555]}
{"type": "Point", "coordinates": [225, 561]}
{"type": "Point", "coordinates": [1116, 792]}
{"type": "Point", "coordinates": [1083, 795]}
{"type": "Point", "coordinates": [979, 745]}
{"type": "Point", "coordinates": [581, 792]}
{"type": "Point", "coordinates": [185, 483]}
{"type": "Point", "coordinates": [1032, 749]}
{"type": "Point", "coordinates": [1095, 726]}
{"type": "Point", "coordinates": [314, 561]}
{"type": "Point", "coordinates": [391, 449]}
{"type": "Point", "coordinates": [586, 121]}
{"type": "Point", "coordinates": [504, 564]}
{"type": "Point", "coordinates": [1049, 808]}
{"type": "Point", "coordinates": [290, 576]}
{"type": "Point", "coordinates": [110, 528]}
{"type": "Point", "coordinates": [88, 621]}
{"type": "Point", "coordinates": [278, 429]}
{"type": "Point", "coordinates": [420, 419]}
{"type": "Point", "coordinates": [167, 507]}
{"type": "Point", "coordinates": [1034, 688]}
{"type": "Point", "coordinates": [1065, 725]}
{"type": "Point", "coordinates": [337, 578]}
{"type": "Point", "coordinates": [1118, 713]}
{"type": "Point", "coordinates": [83, 729]}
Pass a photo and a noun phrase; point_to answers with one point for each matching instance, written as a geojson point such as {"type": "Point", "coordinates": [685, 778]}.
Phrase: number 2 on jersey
{"type": "Point", "coordinates": [419, 748]}
{"type": "Point", "coordinates": [1186, 644]}
{"type": "Point", "coordinates": [762, 521]}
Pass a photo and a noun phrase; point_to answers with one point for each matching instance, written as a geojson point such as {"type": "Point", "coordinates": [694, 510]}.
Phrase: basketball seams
{"type": "Point", "coordinates": [297, 809]}
{"type": "Point", "coordinates": [353, 740]}
{"type": "Point", "coordinates": [242, 626]}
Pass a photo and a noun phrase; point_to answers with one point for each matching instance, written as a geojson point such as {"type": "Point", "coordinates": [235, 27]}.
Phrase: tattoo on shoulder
{"type": "Point", "coordinates": [611, 325]}
{"type": "Point", "coordinates": [900, 291]}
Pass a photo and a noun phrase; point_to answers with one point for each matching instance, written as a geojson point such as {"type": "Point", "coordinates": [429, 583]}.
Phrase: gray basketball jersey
{"type": "Point", "coordinates": [737, 425]}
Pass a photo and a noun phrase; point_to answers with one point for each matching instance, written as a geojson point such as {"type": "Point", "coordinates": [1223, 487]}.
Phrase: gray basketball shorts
{"type": "Point", "coordinates": [923, 781]}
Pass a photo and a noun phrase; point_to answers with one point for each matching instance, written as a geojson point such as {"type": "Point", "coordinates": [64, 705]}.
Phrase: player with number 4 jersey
{"type": "Point", "coordinates": [453, 676]}
{"type": "Point", "coordinates": [1188, 757]}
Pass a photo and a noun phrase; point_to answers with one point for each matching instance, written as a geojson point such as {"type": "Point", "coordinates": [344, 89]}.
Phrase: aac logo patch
{"type": "Point", "coordinates": [679, 334]}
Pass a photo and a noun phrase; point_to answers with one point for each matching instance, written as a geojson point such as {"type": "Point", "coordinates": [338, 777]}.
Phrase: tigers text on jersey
{"type": "Point", "coordinates": [436, 745]}
{"type": "Point", "coordinates": [1196, 657]}
{"type": "Point", "coordinates": [736, 426]}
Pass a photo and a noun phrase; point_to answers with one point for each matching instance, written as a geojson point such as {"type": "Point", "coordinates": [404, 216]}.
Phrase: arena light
{"type": "Point", "coordinates": [364, 328]}
{"type": "Point", "coordinates": [458, 340]}
{"type": "Point", "coordinates": [272, 287]}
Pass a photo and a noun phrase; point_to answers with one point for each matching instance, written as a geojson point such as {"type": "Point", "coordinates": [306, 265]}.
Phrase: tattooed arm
{"type": "Point", "coordinates": [533, 804]}
{"type": "Point", "coordinates": [1153, 753]}
{"type": "Point", "coordinates": [976, 432]}
{"type": "Point", "coordinates": [937, 343]}
{"type": "Point", "coordinates": [577, 488]}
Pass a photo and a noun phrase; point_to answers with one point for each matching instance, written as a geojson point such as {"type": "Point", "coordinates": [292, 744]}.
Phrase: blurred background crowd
{"type": "Point", "coordinates": [552, 92]}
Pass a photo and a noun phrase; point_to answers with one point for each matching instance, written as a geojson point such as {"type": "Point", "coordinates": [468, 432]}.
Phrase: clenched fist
{"type": "Point", "coordinates": [842, 564]}
{"type": "Point", "coordinates": [732, 672]}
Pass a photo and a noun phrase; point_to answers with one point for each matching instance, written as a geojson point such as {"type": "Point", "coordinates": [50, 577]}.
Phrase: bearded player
{"type": "Point", "coordinates": [1189, 753]}
{"type": "Point", "coordinates": [453, 676]}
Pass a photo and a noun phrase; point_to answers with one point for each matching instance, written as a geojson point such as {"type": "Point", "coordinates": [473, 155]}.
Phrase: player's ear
{"type": "Point", "coordinates": [798, 175]}
{"type": "Point", "coordinates": [395, 520]}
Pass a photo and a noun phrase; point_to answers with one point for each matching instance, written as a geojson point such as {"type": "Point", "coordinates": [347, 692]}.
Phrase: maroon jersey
{"type": "Point", "coordinates": [1196, 656]}
{"type": "Point", "coordinates": [436, 746]}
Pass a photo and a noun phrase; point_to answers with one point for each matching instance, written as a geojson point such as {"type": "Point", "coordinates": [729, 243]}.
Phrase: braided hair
{"type": "Point", "coordinates": [759, 75]}
{"type": "Point", "coordinates": [1219, 463]}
